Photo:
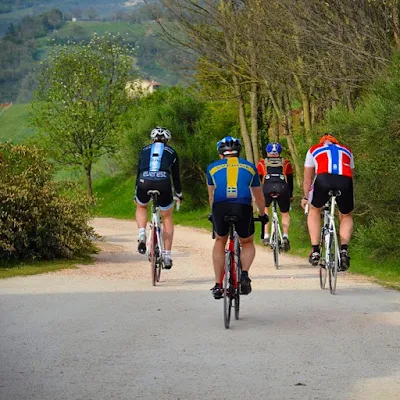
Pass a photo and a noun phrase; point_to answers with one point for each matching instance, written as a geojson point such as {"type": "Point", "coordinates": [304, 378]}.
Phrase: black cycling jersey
{"type": "Point", "coordinates": [159, 157]}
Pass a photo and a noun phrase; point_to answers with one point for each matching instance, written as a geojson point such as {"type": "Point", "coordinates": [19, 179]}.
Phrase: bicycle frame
{"type": "Point", "coordinates": [156, 222]}
{"type": "Point", "coordinates": [329, 225]}
{"type": "Point", "coordinates": [232, 254]}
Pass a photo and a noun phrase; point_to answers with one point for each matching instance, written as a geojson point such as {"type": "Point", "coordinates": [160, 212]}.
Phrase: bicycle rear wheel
{"type": "Point", "coordinates": [227, 290]}
{"type": "Point", "coordinates": [276, 244]}
{"type": "Point", "coordinates": [238, 275]}
{"type": "Point", "coordinates": [153, 257]}
{"type": "Point", "coordinates": [158, 262]}
{"type": "Point", "coordinates": [334, 263]}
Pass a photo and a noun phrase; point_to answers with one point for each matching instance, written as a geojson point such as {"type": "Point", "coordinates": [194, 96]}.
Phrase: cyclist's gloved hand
{"type": "Point", "coordinates": [179, 196]}
{"type": "Point", "coordinates": [264, 218]}
{"type": "Point", "coordinates": [210, 218]}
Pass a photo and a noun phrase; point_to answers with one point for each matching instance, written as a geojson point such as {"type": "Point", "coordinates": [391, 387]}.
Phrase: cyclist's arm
{"type": "Point", "coordinates": [176, 175]}
{"type": "Point", "coordinates": [258, 196]}
{"type": "Point", "coordinates": [138, 168]}
{"type": "Point", "coordinates": [309, 173]}
{"type": "Point", "coordinates": [211, 189]}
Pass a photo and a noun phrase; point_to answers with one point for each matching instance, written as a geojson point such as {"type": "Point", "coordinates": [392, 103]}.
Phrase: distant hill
{"type": "Point", "coordinates": [11, 11]}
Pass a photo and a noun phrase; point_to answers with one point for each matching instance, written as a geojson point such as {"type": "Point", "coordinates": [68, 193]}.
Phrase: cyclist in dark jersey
{"type": "Point", "coordinates": [158, 162]}
{"type": "Point", "coordinates": [231, 183]}
{"type": "Point", "coordinates": [276, 174]}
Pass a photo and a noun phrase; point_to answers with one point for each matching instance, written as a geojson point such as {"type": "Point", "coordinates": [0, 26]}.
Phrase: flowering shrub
{"type": "Point", "coordinates": [39, 219]}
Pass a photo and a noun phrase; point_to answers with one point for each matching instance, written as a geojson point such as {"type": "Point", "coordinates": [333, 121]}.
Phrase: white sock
{"type": "Point", "coordinates": [142, 232]}
{"type": "Point", "coordinates": [266, 236]}
{"type": "Point", "coordinates": [167, 254]}
{"type": "Point", "coordinates": [285, 235]}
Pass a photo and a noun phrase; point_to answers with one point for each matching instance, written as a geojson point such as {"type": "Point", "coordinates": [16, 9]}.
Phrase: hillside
{"type": "Point", "coordinates": [11, 11]}
{"type": "Point", "coordinates": [14, 123]}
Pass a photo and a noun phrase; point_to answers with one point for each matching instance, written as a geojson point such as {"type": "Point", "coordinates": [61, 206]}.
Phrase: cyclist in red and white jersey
{"type": "Point", "coordinates": [329, 166]}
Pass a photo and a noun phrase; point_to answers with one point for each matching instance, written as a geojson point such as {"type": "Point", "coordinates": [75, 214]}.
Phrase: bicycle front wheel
{"type": "Point", "coordinates": [227, 290]}
{"type": "Point", "coordinates": [322, 263]}
{"type": "Point", "coordinates": [334, 263]}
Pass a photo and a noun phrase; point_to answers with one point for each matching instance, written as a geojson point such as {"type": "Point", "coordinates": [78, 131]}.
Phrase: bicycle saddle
{"type": "Point", "coordinates": [335, 192]}
{"type": "Point", "coordinates": [231, 218]}
{"type": "Point", "coordinates": [153, 192]}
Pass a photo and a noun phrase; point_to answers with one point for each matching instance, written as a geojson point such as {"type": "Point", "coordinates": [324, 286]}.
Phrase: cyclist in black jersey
{"type": "Point", "coordinates": [158, 162]}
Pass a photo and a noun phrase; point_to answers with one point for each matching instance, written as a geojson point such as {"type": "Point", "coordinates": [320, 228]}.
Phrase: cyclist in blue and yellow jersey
{"type": "Point", "coordinates": [231, 183]}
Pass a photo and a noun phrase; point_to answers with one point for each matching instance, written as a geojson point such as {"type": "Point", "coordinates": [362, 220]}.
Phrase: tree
{"type": "Point", "coordinates": [79, 99]}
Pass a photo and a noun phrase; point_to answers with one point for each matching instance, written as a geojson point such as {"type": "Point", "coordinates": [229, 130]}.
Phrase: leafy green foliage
{"type": "Point", "coordinates": [80, 97]}
{"type": "Point", "coordinates": [373, 133]}
{"type": "Point", "coordinates": [39, 219]}
{"type": "Point", "coordinates": [196, 127]}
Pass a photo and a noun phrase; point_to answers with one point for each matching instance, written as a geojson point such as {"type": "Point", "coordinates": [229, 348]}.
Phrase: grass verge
{"type": "Point", "coordinates": [40, 267]}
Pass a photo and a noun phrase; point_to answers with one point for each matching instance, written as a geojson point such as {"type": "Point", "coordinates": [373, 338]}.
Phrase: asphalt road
{"type": "Point", "coordinates": [103, 332]}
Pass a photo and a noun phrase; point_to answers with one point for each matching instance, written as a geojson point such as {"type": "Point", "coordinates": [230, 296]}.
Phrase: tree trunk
{"type": "Point", "coordinates": [242, 121]}
{"type": "Point", "coordinates": [88, 170]}
{"type": "Point", "coordinates": [287, 125]}
{"type": "Point", "coordinates": [305, 102]}
{"type": "Point", "coordinates": [396, 30]}
{"type": "Point", "coordinates": [254, 120]}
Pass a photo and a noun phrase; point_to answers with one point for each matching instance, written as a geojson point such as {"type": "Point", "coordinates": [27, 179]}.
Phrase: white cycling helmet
{"type": "Point", "coordinates": [160, 132]}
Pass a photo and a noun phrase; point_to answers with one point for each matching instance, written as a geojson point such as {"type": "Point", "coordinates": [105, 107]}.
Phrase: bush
{"type": "Point", "coordinates": [195, 125]}
{"type": "Point", "coordinates": [373, 133]}
{"type": "Point", "coordinates": [39, 219]}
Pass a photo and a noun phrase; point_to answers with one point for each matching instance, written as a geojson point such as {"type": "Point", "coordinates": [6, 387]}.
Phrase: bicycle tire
{"type": "Point", "coordinates": [226, 291]}
{"type": "Point", "coordinates": [323, 273]}
{"type": "Point", "coordinates": [237, 289]}
{"type": "Point", "coordinates": [158, 263]}
{"type": "Point", "coordinates": [276, 245]}
{"type": "Point", "coordinates": [334, 263]}
{"type": "Point", "coordinates": [153, 258]}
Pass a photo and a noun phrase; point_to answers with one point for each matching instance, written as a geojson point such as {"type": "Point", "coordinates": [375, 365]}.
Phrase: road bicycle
{"type": "Point", "coordinates": [155, 242]}
{"type": "Point", "coordinates": [276, 238]}
{"type": "Point", "coordinates": [232, 270]}
{"type": "Point", "coordinates": [329, 252]}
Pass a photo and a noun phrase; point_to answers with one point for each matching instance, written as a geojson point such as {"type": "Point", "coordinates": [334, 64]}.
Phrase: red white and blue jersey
{"type": "Point", "coordinates": [333, 159]}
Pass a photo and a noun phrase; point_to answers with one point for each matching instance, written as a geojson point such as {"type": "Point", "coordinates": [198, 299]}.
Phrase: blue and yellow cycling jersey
{"type": "Point", "coordinates": [232, 177]}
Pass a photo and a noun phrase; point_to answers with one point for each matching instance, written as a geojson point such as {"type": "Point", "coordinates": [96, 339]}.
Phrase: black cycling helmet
{"type": "Point", "coordinates": [229, 145]}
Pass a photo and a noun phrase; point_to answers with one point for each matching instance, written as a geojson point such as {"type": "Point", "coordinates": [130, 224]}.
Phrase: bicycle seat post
{"type": "Point", "coordinates": [231, 219]}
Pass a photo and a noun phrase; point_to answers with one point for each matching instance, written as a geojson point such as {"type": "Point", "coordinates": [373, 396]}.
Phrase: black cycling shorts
{"type": "Point", "coordinates": [244, 226]}
{"type": "Point", "coordinates": [154, 181]}
{"type": "Point", "coordinates": [323, 183]}
{"type": "Point", "coordinates": [280, 188]}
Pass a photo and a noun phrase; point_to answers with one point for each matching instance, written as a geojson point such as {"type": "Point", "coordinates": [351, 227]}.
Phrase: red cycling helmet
{"type": "Point", "coordinates": [328, 137]}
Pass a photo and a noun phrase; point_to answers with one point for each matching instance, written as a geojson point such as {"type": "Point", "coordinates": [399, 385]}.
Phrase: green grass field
{"type": "Point", "coordinates": [88, 28]}
{"type": "Point", "coordinates": [14, 124]}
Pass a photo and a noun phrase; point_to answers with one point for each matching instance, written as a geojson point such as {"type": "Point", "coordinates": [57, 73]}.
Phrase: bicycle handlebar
{"type": "Point", "coordinates": [178, 203]}
{"type": "Point", "coordinates": [256, 219]}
